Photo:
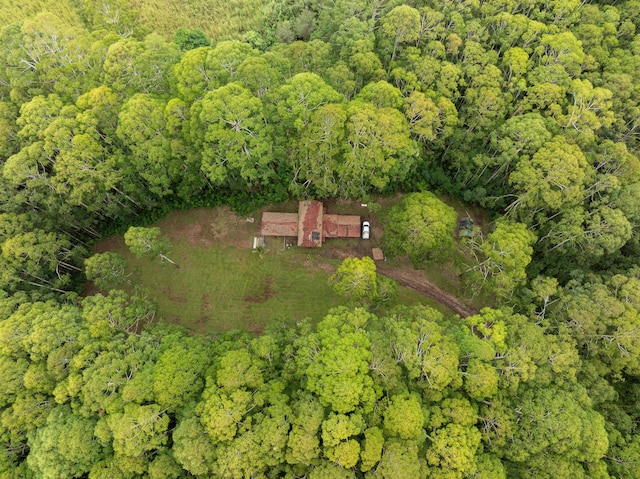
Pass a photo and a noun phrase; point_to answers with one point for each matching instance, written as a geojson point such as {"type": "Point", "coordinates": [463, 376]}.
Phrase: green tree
{"type": "Point", "coordinates": [237, 140]}
{"type": "Point", "coordinates": [504, 256]}
{"type": "Point", "coordinates": [452, 450]}
{"type": "Point", "coordinates": [117, 311]}
{"type": "Point", "coordinates": [555, 178]}
{"type": "Point", "coordinates": [107, 270]}
{"type": "Point", "coordinates": [421, 226]}
{"type": "Point", "coordinates": [141, 127]}
{"type": "Point", "coordinates": [400, 460]}
{"type": "Point", "coordinates": [303, 446]}
{"type": "Point", "coordinates": [316, 162]}
{"type": "Point", "coordinates": [378, 150]}
{"type": "Point", "coordinates": [404, 417]}
{"type": "Point", "coordinates": [428, 356]}
{"type": "Point", "coordinates": [192, 448]}
{"type": "Point", "coordinates": [147, 242]}
{"type": "Point", "coordinates": [138, 431]}
{"type": "Point", "coordinates": [177, 374]}
{"type": "Point", "coordinates": [338, 372]}
{"type": "Point", "coordinates": [381, 94]}
{"type": "Point", "coordinates": [188, 39]}
{"type": "Point", "coordinates": [64, 446]}
{"type": "Point", "coordinates": [355, 279]}
{"type": "Point", "coordinates": [402, 25]}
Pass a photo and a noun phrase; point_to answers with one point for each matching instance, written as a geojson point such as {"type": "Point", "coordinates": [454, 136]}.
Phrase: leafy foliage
{"type": "Point", "coordinates": [531, 111]}
{"type": "Point", "coordinates": [421, 226]}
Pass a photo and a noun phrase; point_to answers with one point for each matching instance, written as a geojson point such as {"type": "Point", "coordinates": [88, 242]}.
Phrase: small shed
{"type": "Point", "coordinates": [377, 254]}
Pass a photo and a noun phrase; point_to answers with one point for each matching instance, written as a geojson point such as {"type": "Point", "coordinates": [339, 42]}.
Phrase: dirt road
{"type": "Point", "coordinates": [416, 281]}
{"type": "Point", "coordinates": [411, 278]}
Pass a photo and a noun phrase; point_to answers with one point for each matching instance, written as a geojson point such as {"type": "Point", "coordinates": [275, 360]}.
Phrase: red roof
{"type": "Point", "coordinates": [310, 225]}
{"type": "Point", "coordinates": [279, 224]}
{"type": "Point", "coordinates": [341, 226]}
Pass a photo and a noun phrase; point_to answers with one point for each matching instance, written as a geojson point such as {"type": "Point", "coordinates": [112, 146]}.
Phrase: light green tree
{"type": "Point", "coordinates": [237, 139]}
{"type": "Point", "coordinates": [421, 226]}
{"type": "Point", "coordinates": [402, 25]}
{"type": "Point", "coordinates": [64, 446]}
{"type": "Point", "coordinates": [338, 372]}
{"type": "Point", "coordinates": [378, 149]}
{"type": "Point", "coordinates": [147, 242]}
{"type": "Point", "coordinates": [404, 417]}
{"type": "Point", "coordinates": [107, 270]}
{"type": "Point", "coordinates": [504, 256]}
{"type": "Point", "coordinates": [355, 279]}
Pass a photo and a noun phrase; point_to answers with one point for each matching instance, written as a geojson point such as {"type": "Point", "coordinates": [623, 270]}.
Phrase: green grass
{"type": "Point", "coordinates": [219, 287]}
{"type": "Point", "coordinates": [218, 19]}
{"type": "Point", "coordinates": [15, 12]}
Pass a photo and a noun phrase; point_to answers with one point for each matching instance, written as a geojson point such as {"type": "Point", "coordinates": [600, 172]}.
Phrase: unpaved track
{"type": "Point", "coordinates": [415, 280]}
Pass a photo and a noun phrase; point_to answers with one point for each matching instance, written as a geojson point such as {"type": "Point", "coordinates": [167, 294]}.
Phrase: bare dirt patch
{"type": "Point", "coordinates": [205, 309]}
{"type": "Point", "coordinates": [319, 264]}
{"type": "Point", "coordinates": [194, 234]}
{"type": "Point", "coordinates": [254, 327]}
{"type": "Point", "coordinates": [175, 297]}
{"type": "Point", "coordinates": [266, 294]}
{"type": "Point", "coordinates": [204, 226]}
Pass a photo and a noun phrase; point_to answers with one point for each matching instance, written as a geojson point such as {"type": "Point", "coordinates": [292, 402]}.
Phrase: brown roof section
{"type": "Point", "coordinates": [341, 226]}
{"type": "Point", "coordinates": [310, 224]}
{"type": "Point", "coordinates": [279, 224]}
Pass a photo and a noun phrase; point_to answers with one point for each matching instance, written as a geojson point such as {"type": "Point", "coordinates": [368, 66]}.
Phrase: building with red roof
{"type": "Point", "coordinates": [311, 225]}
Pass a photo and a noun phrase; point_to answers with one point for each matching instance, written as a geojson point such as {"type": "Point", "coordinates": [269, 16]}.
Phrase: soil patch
{"type": "Point", "coordinates": [205, 308]}
{"type": "Point", "coordinates": [175, 297]}
{"type": "Point", "coordinates": [204, 226]}
{"type": "Point", "coordinates": [411, 278]}
{"type": "Point", "coordinates": [266, 294]}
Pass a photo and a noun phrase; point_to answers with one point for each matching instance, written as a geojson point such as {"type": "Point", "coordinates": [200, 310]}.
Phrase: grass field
{"type": "Point", "coordinates": [222, 284]}
{"type": "Point", "coordinates": [219, 19]}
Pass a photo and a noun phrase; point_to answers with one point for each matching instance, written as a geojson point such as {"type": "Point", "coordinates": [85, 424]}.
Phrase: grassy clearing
{"type": "Point", "coordinates": [221, 284]}
{"type": "Point", "coordinates": [15, 12]}
{"type": "Point", "coordinates": [218, 19]}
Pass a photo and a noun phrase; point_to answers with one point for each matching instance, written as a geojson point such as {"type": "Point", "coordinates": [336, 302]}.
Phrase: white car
{"type": "Point", "coordinates": [365, 230]}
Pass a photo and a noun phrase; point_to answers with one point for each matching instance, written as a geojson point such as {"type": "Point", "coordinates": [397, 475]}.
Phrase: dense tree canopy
{"type": "Point", "coordinates": [530, 110]}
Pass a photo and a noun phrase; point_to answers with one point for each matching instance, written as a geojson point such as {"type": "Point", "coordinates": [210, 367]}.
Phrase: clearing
{"type": "Point", "coordinates": [221, 283]}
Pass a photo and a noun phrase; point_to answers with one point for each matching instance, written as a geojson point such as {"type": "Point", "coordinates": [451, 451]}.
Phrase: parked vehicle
{"type": "Point", "coordinates": [365, 230]}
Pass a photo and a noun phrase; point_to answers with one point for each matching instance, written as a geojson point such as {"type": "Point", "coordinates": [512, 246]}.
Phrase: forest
{"type": "Point", "coordinates": [114, 113]}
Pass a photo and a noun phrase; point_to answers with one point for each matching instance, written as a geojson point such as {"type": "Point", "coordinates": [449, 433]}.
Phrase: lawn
{"type": "Point", "coordinates": [222, 284]}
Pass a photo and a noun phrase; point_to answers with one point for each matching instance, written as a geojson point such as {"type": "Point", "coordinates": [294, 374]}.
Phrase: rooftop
{"type": "Point", "coordinates": [310, 224]}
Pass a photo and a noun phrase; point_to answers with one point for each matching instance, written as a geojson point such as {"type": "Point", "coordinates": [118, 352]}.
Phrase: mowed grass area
{"type": "Point", "coordinates": [222, 284]}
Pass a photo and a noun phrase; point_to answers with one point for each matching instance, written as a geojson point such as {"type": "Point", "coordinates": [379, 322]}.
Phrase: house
{"type": "Point", "coordinates": [311, 225]}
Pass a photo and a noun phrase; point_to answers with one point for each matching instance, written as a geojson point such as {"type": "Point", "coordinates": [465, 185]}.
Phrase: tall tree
{"type": "Point", "coordinates": [421, 226]}
{"type": "Point", "coordinates": [147, 242]}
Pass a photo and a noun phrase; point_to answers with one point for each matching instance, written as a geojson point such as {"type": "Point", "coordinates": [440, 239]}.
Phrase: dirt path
{"type": "Point", "coordinates": [423, 286]}
{"type": "Point", "coordinates": [415, 280]}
